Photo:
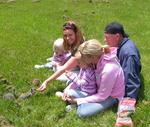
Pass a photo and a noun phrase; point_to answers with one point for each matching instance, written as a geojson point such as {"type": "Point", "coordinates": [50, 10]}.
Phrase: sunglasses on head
{"type": "Point", "coordinates": [69, 26]}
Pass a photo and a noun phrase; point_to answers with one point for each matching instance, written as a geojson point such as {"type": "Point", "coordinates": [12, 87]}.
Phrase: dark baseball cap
{"type": "Point", "coordinates": [114, 28]}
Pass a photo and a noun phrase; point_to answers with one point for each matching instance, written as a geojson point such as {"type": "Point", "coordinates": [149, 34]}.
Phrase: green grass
{"type": "Point", "coordinates": [27, 31]}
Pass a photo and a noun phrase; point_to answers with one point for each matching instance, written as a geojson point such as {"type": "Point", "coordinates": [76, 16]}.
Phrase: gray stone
{"type": "Point", "coordinates": [9, 96]}
{"type": "Point", "coordinates": [4, 122]}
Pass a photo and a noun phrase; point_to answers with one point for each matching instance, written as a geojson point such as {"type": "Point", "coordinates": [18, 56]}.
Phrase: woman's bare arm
{"type": "Point", "coordinates": [70, 64]}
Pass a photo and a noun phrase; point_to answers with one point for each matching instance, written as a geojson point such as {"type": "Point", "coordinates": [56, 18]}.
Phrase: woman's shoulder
{"type": "Point", "coordinates": [109, 63]}
{"type": "Point", "coordinates": [111, 55]}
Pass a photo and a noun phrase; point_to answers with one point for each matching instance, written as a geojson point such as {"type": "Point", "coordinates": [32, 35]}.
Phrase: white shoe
{"type": "Point", "coordinates": [39, 66]}
{"type": "Point", "coordinates": [59, 94]}
{"type": "Point", "coordinates": [69, 108]}
{"type": "Point", "coordinates": [48, 65]}
{"type": "Point", "coordinates": [49, 59]}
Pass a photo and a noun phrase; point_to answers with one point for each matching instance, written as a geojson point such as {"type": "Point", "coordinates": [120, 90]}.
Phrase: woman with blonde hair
{"type": "Point", "coordinates": [109, 79]}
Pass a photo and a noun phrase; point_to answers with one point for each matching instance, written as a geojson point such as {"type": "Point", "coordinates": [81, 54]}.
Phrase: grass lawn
{"type": "Point", "coordinates": [27, 31]}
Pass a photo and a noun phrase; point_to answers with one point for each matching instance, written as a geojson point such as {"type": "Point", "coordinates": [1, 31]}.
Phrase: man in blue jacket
{"type": "Point", "coordinates": [128, 55]}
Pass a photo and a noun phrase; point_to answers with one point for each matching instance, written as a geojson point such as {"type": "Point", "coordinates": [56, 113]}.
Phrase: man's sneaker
{"type": "Point", "coordinates": [38, 66]}
{"type": "Point", "coordinates": [69, 108]}
{"type": "Point", "coordinates": [59, 94]}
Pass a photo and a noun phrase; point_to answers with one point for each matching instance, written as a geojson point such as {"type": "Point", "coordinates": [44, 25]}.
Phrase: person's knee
{"type": "Point", "coordinates": [82, 113]}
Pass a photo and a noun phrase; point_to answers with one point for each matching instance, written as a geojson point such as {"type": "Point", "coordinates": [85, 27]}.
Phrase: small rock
{"type": "Point", "coordinates": [4, 122]}
{"type": "Point", "coordinates": [9, 96]}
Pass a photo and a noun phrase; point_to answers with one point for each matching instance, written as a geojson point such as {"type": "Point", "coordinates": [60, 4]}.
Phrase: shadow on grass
{"type": "Point", "coordinates": [114, 108]}
{"type": "Point", "coordinates": [141, 95]}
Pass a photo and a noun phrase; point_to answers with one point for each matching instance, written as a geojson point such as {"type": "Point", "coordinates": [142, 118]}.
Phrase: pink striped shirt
{"type": "Point", "coordinates": [85, 81]}
{"type": "Point", "coordinates": [63, 58]}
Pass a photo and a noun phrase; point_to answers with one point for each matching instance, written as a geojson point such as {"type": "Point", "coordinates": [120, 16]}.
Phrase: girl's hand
{"type": "Point", "coordinates": [71, 100]}
{"type": "Point", "coordinates": [64, 97]}
{"type": "Point", "coordinates": [42, 87]}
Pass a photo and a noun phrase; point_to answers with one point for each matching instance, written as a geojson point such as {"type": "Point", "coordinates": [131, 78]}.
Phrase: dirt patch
{"type": "Point", "coordinates": [4, 122]}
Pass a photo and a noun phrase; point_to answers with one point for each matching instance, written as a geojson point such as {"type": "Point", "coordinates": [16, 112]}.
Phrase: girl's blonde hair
{"type": "Point", "coordinates": [91, 48]}
{"type": "Point", "coordinates": [58, 45]}
{"type": "Point", "coordinates": [78, 35]}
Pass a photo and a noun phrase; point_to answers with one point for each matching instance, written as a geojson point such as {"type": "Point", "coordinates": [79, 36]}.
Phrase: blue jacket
{"type": "Point", "coordinates": [129, 57]}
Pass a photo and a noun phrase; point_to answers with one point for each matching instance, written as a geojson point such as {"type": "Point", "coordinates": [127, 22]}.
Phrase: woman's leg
{"type": "Point", "coordinates": [89, 109]}
{"type": "Point", "coordinates": [76, 93]}
{"type": "Point", "coordinates": [48, 65]}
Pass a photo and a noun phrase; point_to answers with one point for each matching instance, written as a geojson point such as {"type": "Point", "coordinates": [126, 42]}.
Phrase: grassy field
{"type": "Point", "coordinates": [27, 31]}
